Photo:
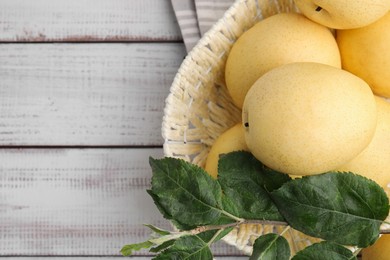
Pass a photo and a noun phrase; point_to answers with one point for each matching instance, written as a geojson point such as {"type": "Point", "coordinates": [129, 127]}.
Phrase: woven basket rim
{"type": "Point", "coordinates": [204, 40]}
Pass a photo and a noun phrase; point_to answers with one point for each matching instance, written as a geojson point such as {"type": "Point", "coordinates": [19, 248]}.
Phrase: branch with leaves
{"type": "Point", "coordinates": [341, 208]}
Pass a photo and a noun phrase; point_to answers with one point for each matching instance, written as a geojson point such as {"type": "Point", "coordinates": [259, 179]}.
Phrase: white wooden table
{"type": "Point", "coordinates": [82, 90]}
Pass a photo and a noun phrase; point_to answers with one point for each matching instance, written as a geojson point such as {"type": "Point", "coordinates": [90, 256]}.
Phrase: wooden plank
{"type": "Point", "coordinates": [85, 94]}
{"type": "Point", "coordinates": [76, 201]}
{"type": "Point", "coordinates": [87, 20]}
{"type": "Point", "coordinates": [113, 258]}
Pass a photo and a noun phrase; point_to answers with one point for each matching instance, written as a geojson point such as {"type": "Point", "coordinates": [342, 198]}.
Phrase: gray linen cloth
{"type": "Point", "coordinates": [195, 17]}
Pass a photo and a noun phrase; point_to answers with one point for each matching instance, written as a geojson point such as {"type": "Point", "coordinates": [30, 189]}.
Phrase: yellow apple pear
{"type": "Point", "coordinates": [374, 161]}
{"type": "Point", "coordinates": [343, 14]}
{"type": "Point", "coordinates": [365, 53]}
{"type": "Point", "coordinates": [379, 251]}
{"type": "Point", "coordinates": [274, 41]}
{"type": "Point", "coordinates": [231, 140]}
{"type": "Point", "coordinates": [308, 118]}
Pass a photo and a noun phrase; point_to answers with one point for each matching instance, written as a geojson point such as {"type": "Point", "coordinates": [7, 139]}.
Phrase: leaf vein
{"type": "Point", "coordinates": [336, 212]}
{"type": "Point", "coordinates": [342, 198]}
{"type": "Point", "coordinates": [189, 193]}
{"type": "Point", "coordinates": [360, 199]}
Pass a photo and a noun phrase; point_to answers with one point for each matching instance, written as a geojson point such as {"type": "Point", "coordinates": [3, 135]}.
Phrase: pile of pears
{"type": "Point", "coordinates": [312, 87]}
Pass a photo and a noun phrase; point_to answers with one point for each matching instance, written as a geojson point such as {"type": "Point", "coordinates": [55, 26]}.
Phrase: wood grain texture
{"type": "Point", "coordinates": [76, 201]}
{"type": "Point", "coordinates": [85, 94]}
{"type": "Point", "coordinates": [87, 20]}
{"type": "Point", "coordinates": [82, 203]}
{"type": "Point", "coordinates": [112, 258]}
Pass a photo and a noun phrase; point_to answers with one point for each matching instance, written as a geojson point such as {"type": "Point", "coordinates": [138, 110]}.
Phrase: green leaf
{"type": "Point", "coordinates": [214, 235]}
{"type": "Point", "coordinates": [189, 248]}
{"type": "Point", "coordinates": [325, 251]}
{"type": "Point", "coordinates": [341, 207]}
{"type": "Point", "coordinates": [246, 184]}
{"type": "Point", "coordinates": [185, 193]}
{"type": "Point", "coordinates": [158, 230]}
{"type": "Point", "coordinates": [129, 249]}
{"type": "Point", "coordinates": [165, 214]}
{"type": "Point", "coordinates": [163, 246]}
{"type": "Point", "coordinates": [270, 247]}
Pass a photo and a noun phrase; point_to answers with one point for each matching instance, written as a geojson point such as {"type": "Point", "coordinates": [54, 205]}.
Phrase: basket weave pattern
{"type": "Point", "coordinates": [199, 108]}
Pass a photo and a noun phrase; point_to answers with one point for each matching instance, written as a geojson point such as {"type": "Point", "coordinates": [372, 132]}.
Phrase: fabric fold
{"type": "Point", "coordinates": [196, 17]}
{"type": "Point", "coordinates": [187, 19]}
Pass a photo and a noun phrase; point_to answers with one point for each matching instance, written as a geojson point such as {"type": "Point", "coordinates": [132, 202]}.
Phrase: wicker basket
{"type": "Point", "coordinates": [198, 108]}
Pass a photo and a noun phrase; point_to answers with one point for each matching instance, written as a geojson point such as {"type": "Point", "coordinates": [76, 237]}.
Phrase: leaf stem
{"type": "Point", "coordinates": [243, 221]}
{"type": "Point", "coordinates": [232, 216]}
{"type": "Point", "coordinates": [214, 237]}
{"type": "Point", "coordinates": [173, 235]}
{"type": "Point", "coordinates": [284, 230]}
